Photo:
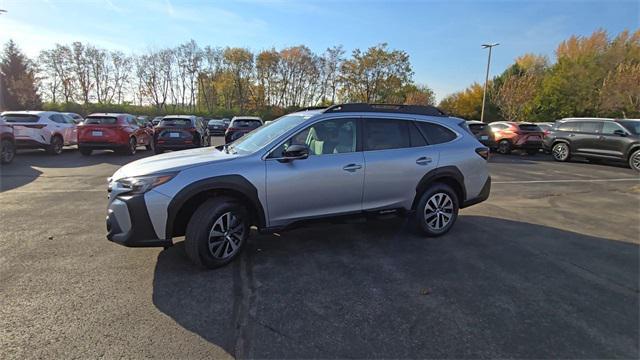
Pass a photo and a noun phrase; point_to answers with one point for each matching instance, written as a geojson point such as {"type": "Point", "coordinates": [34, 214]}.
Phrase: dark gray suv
{"type": "Point", "coordinates": [595, 138]}
{"type": "Point", "coordinates": [342, 160]}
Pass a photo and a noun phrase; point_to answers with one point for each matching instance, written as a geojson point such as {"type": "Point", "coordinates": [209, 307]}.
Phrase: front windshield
{"type": "Point", "coordinates": [263, 135]}
{"type": "Point", "coordinates": [632, 125]}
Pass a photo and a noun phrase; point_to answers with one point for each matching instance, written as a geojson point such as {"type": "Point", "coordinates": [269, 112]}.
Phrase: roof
{"type": "Point", "coordinates": [584, 118]}
{"type": "Point", "coordinates": [246, 118]}
{"type": "Point", "coordinates": [30, 112]}
{"type": "Point", "coordinates": [107, 114]}
{"type": "Point", "coordinates": [179, 116]}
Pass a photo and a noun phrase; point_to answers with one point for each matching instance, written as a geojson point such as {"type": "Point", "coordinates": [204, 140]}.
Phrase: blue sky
{"type": "Point", "coordinates": [443, 38]}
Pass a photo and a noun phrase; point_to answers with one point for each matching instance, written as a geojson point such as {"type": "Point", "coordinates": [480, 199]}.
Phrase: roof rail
{"type": "Point", "coordinates": [389, 108]}
{"type": "Point", "coordinates": [312, 108]}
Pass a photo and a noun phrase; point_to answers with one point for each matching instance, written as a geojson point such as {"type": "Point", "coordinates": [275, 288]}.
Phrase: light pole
{"type": "Point", "coordinates": [486, 79]}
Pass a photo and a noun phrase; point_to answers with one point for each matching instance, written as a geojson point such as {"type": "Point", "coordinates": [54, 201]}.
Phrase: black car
{"type": "Point", "coordinates": [177, 132]}
{"type": "Point", "coordinates": [216, 127]}
{"type": "Point", "coordinates": [241, 125]}
{"type": "Point", "coordinates": [595, 138]}
{"type": "Point", "coordinates": [482, 132]}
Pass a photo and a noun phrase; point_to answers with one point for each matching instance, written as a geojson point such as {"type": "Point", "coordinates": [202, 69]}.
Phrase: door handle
{"type": "Point", "coordinates": [572, 135]}
{"type": "Point", "coordinates": [352, 167]}
{"type": "Point", "coordinates": [424, 160]}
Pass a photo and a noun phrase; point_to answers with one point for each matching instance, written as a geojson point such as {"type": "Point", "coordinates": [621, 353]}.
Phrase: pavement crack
{"type": "Point", "coordinates": [244, 307]}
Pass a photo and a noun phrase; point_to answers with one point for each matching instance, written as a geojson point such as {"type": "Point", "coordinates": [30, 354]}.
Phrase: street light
{"type": "Point", "coordinates": [486, 79]}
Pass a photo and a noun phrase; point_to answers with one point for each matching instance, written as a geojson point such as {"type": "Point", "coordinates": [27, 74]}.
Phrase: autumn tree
{"type": "Point", "coordinates": [515, 96]}
{"type": "Point", "coordinates": [240, 65]}
{"type": "Point", "coordinates": [620, 93]}
{"type": "Point", "coordinates": [17, 78]}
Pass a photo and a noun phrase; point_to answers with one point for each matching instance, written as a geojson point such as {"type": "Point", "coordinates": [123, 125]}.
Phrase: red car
{"type": "Point", "coordinates": [517, 136]}
{"type": "Point", "coordinates": [118, 132]}
{"type": "Point", "coordinates": [8, 142]}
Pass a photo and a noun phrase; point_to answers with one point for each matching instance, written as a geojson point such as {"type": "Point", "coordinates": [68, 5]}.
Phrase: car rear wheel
{"type": "Point", "coordinates": [85, 151]}
{"type": "Point", "coordinates": [504, 147]}
{"type": "Point", "coordinates": [131, 147]}
{"type": "Point", "coordinates": [437, 210]}
{"type": "Point", "coordinates": [8, 151]}
{"type": "Point", "coordinates": [561, 152]}
{"type": "Point", "coordinates": [217, 232]}
{"type": "Point", "coordinates": [634, 160]}
{"type": "Point", "coordinates": [55, 148]}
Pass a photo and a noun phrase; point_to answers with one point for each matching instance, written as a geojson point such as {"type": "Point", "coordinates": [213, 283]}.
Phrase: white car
{"type": "Point", "coordinates": [48, 130]}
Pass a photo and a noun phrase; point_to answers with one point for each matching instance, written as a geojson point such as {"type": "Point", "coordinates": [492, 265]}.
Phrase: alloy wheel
{"type": "Point", "coordinates": [635, 161]}
{"type": "Point", "coordinates": [560, 151]}
{"type": "Point", "coordinates": [438, 211]}
{"type": "Point", "coordinates": [132, 146]}
{"type": "Point", "coordinates": [226, 236]}
{"type": "Point", "coordinates": [8, 151]}
{"type": "Point", "coordinates": [56, 144]}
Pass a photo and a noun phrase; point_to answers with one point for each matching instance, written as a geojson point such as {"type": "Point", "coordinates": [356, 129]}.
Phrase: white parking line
{"type": "Point", "coordinates": [563, 181]}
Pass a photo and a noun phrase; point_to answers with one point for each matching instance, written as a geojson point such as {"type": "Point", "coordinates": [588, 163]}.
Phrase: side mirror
{"type": "Point", "coordinates": [620, 132]}
{"type": "Point", "coordinates": [295, 152]}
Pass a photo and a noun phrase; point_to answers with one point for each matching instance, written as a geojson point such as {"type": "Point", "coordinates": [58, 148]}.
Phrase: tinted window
{"type": "Point", "coordinates": [102, 120]}
{"type": "Point", "coordinates": [610, 127]}
{"type": "Point", "coordinates": [415, 136]}
{"type": "Point", "coordinates": [529, 127]}
{"type": "Point", "coordinates": [477, 127]}
{"type": "Point", "coordinates": [632, 125]}
{"type": "Point", "coordinates": [246, 123]}
{"type": "Point", "coordinates": [436, 134]}
{"type": "Point", "coordinates": [326, 137]}
{"type": "Point", "coordinates": [386, 134]}
{"type": "Point", "coordinates": [568, 126]}
{"type": "Point", "coordinates": [175, 122]}
{"type": "Point", "coordinates": [590, 127]}
{"type": "Point", "coordinates": [19, 118]}
{"type": "Point", "coordinates": [216, 122]}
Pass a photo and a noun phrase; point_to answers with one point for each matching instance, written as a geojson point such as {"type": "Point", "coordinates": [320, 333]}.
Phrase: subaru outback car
{"type": "Point", "coordinates": [342, 160]}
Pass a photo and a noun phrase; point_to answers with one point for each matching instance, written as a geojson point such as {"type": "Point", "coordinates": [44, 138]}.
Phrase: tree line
{"type": "Point", "coordinates": [592, 76]}
{"type": "Point", "coordinates": [207, 80]}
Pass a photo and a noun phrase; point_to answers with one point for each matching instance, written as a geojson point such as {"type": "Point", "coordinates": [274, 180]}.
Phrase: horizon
{"type": "Point", "coordinates": [456, 30]}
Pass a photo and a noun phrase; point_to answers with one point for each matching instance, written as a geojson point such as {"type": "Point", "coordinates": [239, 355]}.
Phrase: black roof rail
{"type": "Point", "coordinates": [312, 108]}
{"type": "Point", "coordinates": [389, 108]}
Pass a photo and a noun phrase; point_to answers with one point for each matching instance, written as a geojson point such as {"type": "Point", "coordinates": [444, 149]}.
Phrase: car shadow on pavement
{"type": "Point", "coordinates": [490, 288]}
{"type": "Point", "coordinates": [25, 167]}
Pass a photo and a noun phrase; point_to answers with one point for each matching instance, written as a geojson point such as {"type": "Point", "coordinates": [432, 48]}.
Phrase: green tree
{"type": "Point", "coordinates": [17, 78]}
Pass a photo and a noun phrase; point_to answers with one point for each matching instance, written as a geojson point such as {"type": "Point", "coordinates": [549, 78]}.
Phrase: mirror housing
{"type": "Point", "coordinates": [295, 152]}
{"type": "Point", "coordinates": [620, 132]}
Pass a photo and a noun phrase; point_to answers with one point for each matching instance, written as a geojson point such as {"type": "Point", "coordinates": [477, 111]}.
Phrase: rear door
{"type": "Point", "coordinates": [586, 140]}
{"type": "Point", "coordinates": [65, 128]}
{"type": "Point", "coordinates": [396, 157]}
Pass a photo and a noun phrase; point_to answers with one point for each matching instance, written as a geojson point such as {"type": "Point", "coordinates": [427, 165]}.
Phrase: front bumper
{"type": "Point", "coordinates": [129, 224]}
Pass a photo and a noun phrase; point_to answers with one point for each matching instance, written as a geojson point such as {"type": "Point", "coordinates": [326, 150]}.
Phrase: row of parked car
{"type": "Point", "coordinates": [591, 138]}
{"type": "Point", "coordinates": [123, 133]}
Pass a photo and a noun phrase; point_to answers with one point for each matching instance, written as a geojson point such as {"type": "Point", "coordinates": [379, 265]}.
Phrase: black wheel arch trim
{"type": "Point", "coordinates": [235, 183]}
{"type": "Point", "coordinates": [438, 174]}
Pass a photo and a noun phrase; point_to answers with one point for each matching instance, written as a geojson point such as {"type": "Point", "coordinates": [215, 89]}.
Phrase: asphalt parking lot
{"type": "Point", "coordinates": [546, 268]}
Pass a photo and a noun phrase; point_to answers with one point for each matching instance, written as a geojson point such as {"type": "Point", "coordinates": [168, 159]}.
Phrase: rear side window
{"type": "Point", "coordinates": [384, 134]}
{"type": "Point", "coordinates": [590, 127]}
{"type": "Point", "coordinates": [20, 118]}
{"type": "Point", "coordinates": [100, 120]}
{"type": "Point", "coordinates": [246, 123]}
{"type": "Point", "coordinates": [436, 134]}
{"type": "Point", "coordinates": [415, 136]}
{"type": "Point", "coordinates": [477, 127]}
{"type": "Point", "coordinates": [568, 126]}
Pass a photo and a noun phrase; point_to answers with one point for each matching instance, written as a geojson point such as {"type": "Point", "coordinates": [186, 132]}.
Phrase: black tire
{"type": "Point", "coordinates": [157, 150]}
{"type": "Point", "coordinates": [85, 151]}
{"type": "Point", "coordinates": [436, 203]}
{"type": "Point", "coordinates": [532, 152]}
{"type": "Point", "coordinates": [504, 147]}
{"type": "Point", "coordinates": [8, 151]}
{"type": "Point", "coordinates": [131, 147]}
{"type": "Point", "coordinates": [209, 216]}
{"type": "Point", "coordinates": [561, 151]}
{"type": "Point", "coordinates": [634, 160]}
{"type": "Point", "coordinates": [55, 148]}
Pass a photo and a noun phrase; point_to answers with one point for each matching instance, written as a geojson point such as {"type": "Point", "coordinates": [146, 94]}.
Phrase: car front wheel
{"type": "Point", "coordinates": [437, 210]}
{"type": "Point", "coordinates": [561, 151]}
{"type": "Point", "coordinates": [634, 160]}
{"type": "Point", "coordinates": [217, 232]}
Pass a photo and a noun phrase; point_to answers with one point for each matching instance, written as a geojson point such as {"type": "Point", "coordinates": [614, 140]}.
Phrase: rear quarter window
{"type": "Point", "coordinates": [436, 134]}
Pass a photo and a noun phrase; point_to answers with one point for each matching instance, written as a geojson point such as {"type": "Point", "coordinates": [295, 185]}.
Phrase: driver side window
{"type": "Point", "coordinates": [334, 136]}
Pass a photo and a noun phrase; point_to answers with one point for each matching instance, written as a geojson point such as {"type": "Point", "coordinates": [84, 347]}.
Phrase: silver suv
{"type": "Point", "coordinates": [341, 160]}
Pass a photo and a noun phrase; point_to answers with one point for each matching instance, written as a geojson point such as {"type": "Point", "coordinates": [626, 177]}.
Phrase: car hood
{"type": "Point", "coordinates": [172, 161]}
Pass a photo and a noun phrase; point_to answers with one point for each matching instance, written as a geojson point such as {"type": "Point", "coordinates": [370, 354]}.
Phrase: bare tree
{"type": "Point", "coordinates": [82, 70]}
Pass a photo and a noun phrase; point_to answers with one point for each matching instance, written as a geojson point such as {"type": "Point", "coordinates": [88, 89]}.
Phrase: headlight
{"type": "Point", "coordinates": [142, 184]}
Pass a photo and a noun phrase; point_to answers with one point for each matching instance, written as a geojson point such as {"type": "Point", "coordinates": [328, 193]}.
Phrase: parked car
{"type": "Point", "coordinates": [342, 160]}
{"type": "Point", "coordinates": [156, 120]}
{"type": "Point", "coordinates": [226, 121]}
{"type": "Point", "coordinates": [112, 131]}
{"type": "Point", "coordinates": [510, 136]}
{"type": "Point", "coordinates": [77, 119]}
{"type": "Point", "coordinates": [216, 127]}
{"type": "Point", "coordinates": [179, 132]}
{"type": "Point", "coordinates": [482, 132]}
{"type": "Point", "coordinates": [598, 139]}
{"type": "Point", "coordinates": [239, 126]}
{"type": "Point", "coordinates": [7, 143]}
{"type": "Point", "coordinates": [47, 130]}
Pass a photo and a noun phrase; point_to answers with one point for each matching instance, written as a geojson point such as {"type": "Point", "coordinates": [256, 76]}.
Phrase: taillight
{"type": "Point", "coordinates": [483, 152]}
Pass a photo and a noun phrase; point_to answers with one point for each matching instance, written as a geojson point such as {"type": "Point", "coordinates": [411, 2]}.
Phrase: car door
{"type": "Point", "coordinates": [586, 139]}
{"type": "Point", "coordinates": [138, 132]}
{"type": "Point", "coordinates": [613, 139]}
{"type": "Point", "coordinates": [71, 130]}
{"type": "Point", "coordinates": [328, 182]}
{"type": "Point", "coordinates": [62, 127]}
{"type": "Point", "coordinates": [396, 158]}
